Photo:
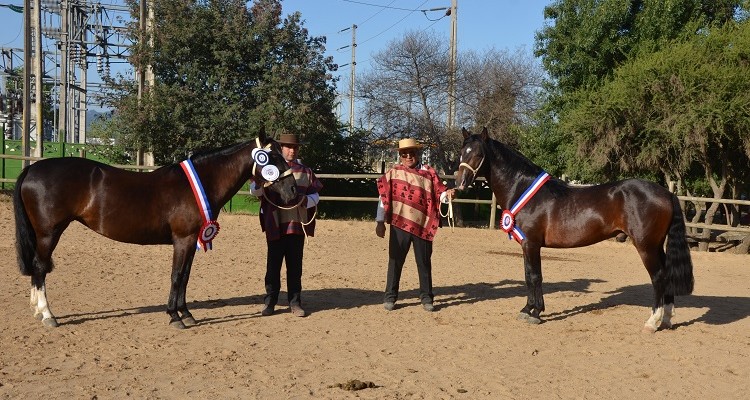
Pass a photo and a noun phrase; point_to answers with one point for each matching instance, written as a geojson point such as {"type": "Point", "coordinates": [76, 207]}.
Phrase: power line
{"type": "Point", "coordinates": [396, 23]}
{"type": "Point", "coordinates": [381, 6]}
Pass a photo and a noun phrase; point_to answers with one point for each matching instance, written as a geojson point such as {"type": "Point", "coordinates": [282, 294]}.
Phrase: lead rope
{"type": "Point", "coordinates": [449, 213]}
{"type": "Point", "coordinates": [303, 198]}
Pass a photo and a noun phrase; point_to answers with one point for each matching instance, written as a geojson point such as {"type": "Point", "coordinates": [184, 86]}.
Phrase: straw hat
{"type": "Point", "coordinates": [409, 143]}
{"type": "Point", "coordinates": [289, 139]}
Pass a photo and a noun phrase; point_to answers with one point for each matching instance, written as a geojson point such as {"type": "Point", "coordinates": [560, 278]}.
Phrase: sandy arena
{"type": "Point", "coordinates": [114, 340]}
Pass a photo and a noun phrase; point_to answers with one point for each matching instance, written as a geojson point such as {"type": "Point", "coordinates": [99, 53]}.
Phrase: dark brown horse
{"type": "Point", "coordinates": [158, 207]}
{"type": "Point", "coordinates": [546, 212]}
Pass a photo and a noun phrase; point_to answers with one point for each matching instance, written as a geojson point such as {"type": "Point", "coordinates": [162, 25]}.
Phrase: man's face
{"type": "Point", "coordinates": [289, 152]}
{"type": "Point", "coordinates": [409, 157]}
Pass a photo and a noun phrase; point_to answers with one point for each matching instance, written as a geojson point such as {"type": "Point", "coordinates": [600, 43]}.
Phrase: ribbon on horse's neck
{"type": "Point", "coordinates": [508, 218]}
{"type": "Point", "coordinates": [210, 227]}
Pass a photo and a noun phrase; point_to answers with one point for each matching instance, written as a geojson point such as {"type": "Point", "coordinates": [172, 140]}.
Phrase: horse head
{"type": "Point", "coordinates": [278, 179]}
{"type": "Point", "coordinates": [472, 156]}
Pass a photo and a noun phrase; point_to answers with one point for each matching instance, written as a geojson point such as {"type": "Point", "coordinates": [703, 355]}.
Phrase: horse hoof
{"type": "Point", "coordinates": [523, 316]}
{"type": "Point", "coordinates": [177, 324]}
{"type": "Point", "coordinates": [665, 325]}
{"type": "Point", "coordinates": [648, 329]}
{"type": "Point", "coordinates": [189, 321]}
{"type": "Point", "coordinates": [50, 322]}
{"type": "Point", "coordinates": [533, 320]}
{"type": "Point", "coordinates": [38, 316]}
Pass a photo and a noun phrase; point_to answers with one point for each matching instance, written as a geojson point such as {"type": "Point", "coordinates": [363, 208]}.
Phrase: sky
{"type": "Point", "coordinates": [505, 25]}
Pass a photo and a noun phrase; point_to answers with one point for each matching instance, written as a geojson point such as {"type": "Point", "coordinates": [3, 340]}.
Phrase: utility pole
{"type": "Point", "coordinates": [145, 74]}
{"type": "Point", "coordinates": [26, 121]}
{"type": "Point", "coordinates": [452, 66]}
{"type": "Point", "coordinates": [351, 83]}
{"type": "Point", "coordinates": [38, 74]}
{"type": "Point", "coordinates": [63, 115]}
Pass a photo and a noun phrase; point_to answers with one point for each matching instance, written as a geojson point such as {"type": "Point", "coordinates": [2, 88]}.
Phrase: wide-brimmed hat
{"type": "Point", "coordinates": [289, 139]}
{"type": "Point", "coordinates": [409, 143]}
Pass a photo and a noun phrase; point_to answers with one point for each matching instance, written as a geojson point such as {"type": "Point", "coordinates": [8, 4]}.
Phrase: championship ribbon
{"type": "Point", "coordinates": [210, 227]}
{"type": "Point", "coordinates": [508, 217]}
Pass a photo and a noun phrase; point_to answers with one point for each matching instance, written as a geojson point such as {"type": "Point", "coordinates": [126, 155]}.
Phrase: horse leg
{"type": "Point", "coordinates": [39, 304]}
{"type": "Point", "coordinates": [184, 249]}
{"type": "Point", "coordinates": [666, 320]}
{"type": "Point", "coordinates": [187, 318]}
{"type": "Point", "coordinates": [532, 263]}
{"type": "Point", "coordinates": [42, 265]}
{"type": "Point", "coordinates": [653, 259]}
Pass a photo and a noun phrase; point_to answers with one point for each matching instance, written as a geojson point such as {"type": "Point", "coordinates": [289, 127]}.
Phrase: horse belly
{"type": "Point", "coordinates": [126, 217]}
{"type": "Point", "coordinates": [578, 235]}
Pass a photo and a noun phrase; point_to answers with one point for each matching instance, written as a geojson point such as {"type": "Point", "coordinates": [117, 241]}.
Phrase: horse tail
{"type": "Point", "coordinates": [25, 235]}
{"type": "Point", "coordinates": [679, 266]}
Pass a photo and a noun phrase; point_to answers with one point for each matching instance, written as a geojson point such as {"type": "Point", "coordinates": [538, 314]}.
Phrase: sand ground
{"type": "Point", "coordinates": [114, 340]}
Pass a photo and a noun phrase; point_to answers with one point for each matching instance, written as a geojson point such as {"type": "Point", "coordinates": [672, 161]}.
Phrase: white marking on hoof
{"type": "Point", "coordinates": [523, 316]}
{"type": "Point", "coordinates": [653, 323]}
{"type": "Point", "coordinates": [648, 329]}
{"type": "Point", "coordinates": [666, 321]}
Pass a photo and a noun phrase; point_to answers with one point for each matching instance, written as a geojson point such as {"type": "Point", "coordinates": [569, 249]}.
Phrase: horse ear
{"type": "Point", "coordinates": [465, 133]}
{"type": "Point", "coordinates": [485, 135]}
{"type": "Point", "coordinates": [262, 134]}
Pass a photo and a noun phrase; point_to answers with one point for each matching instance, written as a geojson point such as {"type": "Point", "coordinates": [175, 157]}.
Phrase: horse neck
{"type": "Point", "coordinates": [223, 173]}
{"type": "Point", "coordinates": [510, 174]}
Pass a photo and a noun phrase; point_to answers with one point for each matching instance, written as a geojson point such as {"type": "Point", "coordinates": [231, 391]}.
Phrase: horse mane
{"type": "Point", "coordinates": [518, 163]}
{"type": "Point", "coordinates": [209, 153]}
{"type": "Point", "coordinates": [513, 158]}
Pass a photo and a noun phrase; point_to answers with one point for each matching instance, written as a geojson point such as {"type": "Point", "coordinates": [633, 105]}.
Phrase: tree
{"type": "Point", "coordinates": [499, 91]}
{"type": "Point", "coordinates": [589, 40]}
{"type": "Point", "coordinates": [679, 110]}
{"type": "Point", "coordinates": [222, 73]}
{"type": "Point", "coordinates": [405, 94]}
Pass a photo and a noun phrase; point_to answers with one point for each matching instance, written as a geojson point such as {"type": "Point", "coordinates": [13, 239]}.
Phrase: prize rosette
{"type": "Point", "coordinates": [270, 173]}
{"type": "Point", "coordinates": [208, 232]}
{"type": "Point", "coordinates": [260, 157]}
{"type": "Point", "coordinates": [507, 221]}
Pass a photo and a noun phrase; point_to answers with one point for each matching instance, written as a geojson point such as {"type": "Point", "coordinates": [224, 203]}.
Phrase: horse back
{"type": "Point", "coordinates": [584, 215]}
{"type": "Point", "coordinates": [127, 206]}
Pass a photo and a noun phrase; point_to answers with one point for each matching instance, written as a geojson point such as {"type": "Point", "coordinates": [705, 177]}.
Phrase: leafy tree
{"type": "Point", "coordinates": [681, 110]}
{"type": "Point", "coordinates": [590, 40]}
{"type": "Point", "coordinates": [222, 73]}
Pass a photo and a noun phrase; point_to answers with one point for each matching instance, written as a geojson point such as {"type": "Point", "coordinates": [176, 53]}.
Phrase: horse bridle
{"type": "Point", "coordinates": [474, 171]}
{"type": "Point", "coordinates": [268, 183]}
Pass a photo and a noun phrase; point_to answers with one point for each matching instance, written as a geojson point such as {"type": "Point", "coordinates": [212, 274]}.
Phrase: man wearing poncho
{"type": "Point", "coordinates": [410, 196]}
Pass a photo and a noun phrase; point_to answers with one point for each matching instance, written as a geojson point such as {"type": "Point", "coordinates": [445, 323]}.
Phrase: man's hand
{"type": "Point", "coordinates": [380, 229]}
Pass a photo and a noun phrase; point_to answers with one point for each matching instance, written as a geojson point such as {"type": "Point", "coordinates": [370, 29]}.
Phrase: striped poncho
{"type": "Point", "coordinates": [411, 199]}
{"type": "Point", "coordinates": [276, 222]}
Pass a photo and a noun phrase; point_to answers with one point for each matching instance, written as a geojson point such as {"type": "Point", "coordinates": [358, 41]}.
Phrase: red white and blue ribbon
{"type": "Point", "coordinates": [508, 217]}
{"type": "Point", "coordinates": [210, 227]}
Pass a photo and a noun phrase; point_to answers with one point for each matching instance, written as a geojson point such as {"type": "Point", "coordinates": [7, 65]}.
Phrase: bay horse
{"type": "Point", "coordinates": [147, 208]}
{"type": "Point", "coordinates": [546, 212]}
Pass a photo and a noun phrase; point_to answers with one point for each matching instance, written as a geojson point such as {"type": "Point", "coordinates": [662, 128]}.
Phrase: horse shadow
{"type": "Point", "coordinates": [719, 310]}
